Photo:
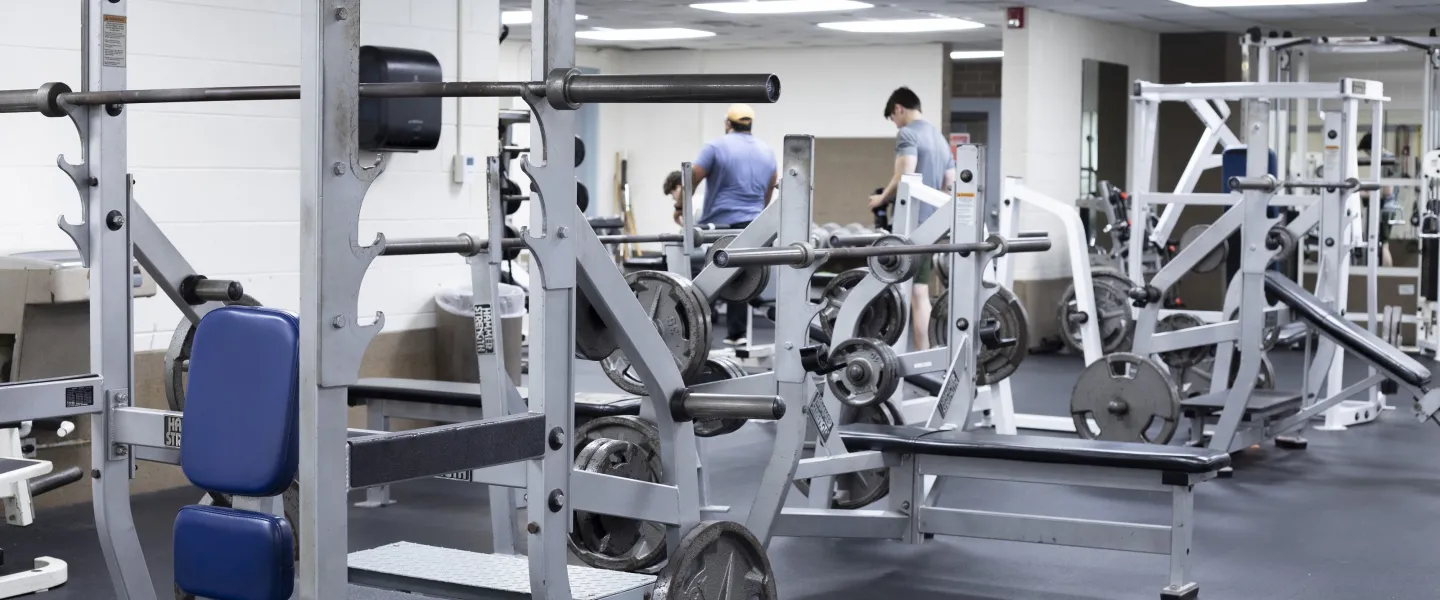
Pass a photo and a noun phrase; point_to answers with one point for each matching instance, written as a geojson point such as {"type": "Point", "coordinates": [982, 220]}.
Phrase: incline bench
{"type": "Point", "coordinates": [1054, 460]}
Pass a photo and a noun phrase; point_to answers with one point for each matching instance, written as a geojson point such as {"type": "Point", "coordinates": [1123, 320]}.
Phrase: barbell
{"type": "Point", "coordinates": [563, 88]}
{"type": "Point", "coordinates": [803, 255]}
{"type": "Point", "coordinates": [1268, 183]}
{"type": "Point", "coordinates": [466, 244]}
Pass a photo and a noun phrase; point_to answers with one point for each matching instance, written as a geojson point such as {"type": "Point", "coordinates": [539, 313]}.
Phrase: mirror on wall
{"type": "Point", "coordinates": [1104, 139]}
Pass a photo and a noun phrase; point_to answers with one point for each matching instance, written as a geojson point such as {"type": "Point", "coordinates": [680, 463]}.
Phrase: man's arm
{"type": "Point", "coordinates": [770, 188]}
{"type": "Point", "coordinates": [697, 175]}
{"type": "Point", "coordinates": [904, 165]}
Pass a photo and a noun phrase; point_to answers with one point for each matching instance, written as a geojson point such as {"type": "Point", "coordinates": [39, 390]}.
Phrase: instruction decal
{"type": "Point", "coordinates": [947, 393]}
{"type": "Point", "coordinates": [484, 329]}
{"type": "Point", "coordinates": [79, 396]}
{"type": "Point", "coordinates": [819, 416]}
{"type": "Point", "coordinates": [113, 41]}
{"type": "Point", "coordinates": [458, 476]}
{"type": "Point", "coordinates": [173, 429]}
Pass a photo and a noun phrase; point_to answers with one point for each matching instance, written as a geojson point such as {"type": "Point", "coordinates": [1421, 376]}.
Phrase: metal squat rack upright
{"type": "Point", "coordinates": [332, 339]}
{"type": "Point", "coordinates": [1245, 414]}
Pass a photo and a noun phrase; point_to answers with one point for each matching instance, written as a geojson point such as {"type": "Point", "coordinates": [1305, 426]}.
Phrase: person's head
{"type": "Point", "coordinates": [903, 107]}
{"type": "Point", "coordinates": [672, 185]}
{"type": "Point", "coordinates": [1365, 143]}
{"type": "Point", "coordinates": [739, 119]}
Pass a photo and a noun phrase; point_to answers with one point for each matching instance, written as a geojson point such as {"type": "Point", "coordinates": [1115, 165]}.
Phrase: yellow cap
{"type": "Point", "coordinates": [740, 113]}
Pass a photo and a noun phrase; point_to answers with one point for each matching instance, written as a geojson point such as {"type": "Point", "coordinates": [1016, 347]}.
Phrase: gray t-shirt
{"type": "Point", "coordinates": [932, 156]}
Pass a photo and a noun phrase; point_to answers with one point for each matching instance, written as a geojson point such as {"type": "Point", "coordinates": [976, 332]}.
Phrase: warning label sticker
{"type": "Point", "coordinates": [113, 40]}
{"type": "Point", "coordinates": [484, 329]}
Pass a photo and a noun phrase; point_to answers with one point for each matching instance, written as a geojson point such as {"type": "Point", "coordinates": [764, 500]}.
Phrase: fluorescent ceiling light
{"type": "Point", "coordinates": [904, 25]}
{"type": "Point", "coordinates": [1259, 3]}
{"type": "Point", "coordinates": [643, 35]}
{"type": "Point", "coordinates": [780, 7]}
{"type": "Point", "coordinates": [976, 54]}
{"type": "Point", "coordinates": [523, 17]}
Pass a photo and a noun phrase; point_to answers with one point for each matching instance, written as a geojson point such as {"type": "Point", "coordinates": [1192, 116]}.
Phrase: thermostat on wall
{"type": "Point", "coordinates": [462, 167]}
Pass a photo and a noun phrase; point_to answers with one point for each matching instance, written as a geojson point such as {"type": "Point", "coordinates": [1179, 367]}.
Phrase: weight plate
{"type": "Point", "coordinates": [1185, 357]}
{"type": "Point", "coordinates": [176, 365]}
{"type": "Point", "coordinates": [1112, 301]}
{"type": "Point", "coordinates": [592, 338]}
{"type": "Point", "coordinates": [748, 282]}
{"type": "Point", "coordinates": [1283, 241]}
{"type": "Point", "coordinates": [870, 375]}
{"type": "Point", "coordinates": [717, 560]}
{"type": "Point", "coordinates": [618, 543]}
{"type": "Point", "coordinates": [897, 268]}
{"type": "Point", "coordinates": [717, 368]}
{"type": "Point", "coordinates": [1130, 398]}
{"type": "Point", "coordinates": [1211, 261]}
{"type": "Point", "coordinates": [621, 427]}
{"type": "Point", "coordinates": [682, 320]}
{"type": "Point", "coordinates": [940, 320]}
{"type": "Point", "coordinates": [995, 364]}
{"type": "Point", "coordinates": [850, 491]}
{"type": "Point", "coordinates": [883, 319]}
{"type": "Point", "coordinates": [856, 229]}
{"type": "Point", "coordinates": [1195, 380]}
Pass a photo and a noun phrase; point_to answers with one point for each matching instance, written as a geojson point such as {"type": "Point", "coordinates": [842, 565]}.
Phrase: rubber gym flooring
{"type": "Point", "coordinates": [1354, 517]}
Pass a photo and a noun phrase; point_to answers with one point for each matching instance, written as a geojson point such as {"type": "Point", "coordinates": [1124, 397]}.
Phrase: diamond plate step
{"type": "Point", "coordinates": [468, 575]}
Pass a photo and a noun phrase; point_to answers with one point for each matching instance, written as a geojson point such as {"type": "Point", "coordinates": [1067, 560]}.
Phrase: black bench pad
{"type": "Point", "coordinates": [455, 393]}
{"type": "Point", "coordinates": [930, 382]}
{"type": "Point", "coordinates": [1030, 448]}
{"type": "Point", "coordinates": [1350, 336]}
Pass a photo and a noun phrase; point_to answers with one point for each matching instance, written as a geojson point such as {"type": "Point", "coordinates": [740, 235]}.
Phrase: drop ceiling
{"type": "Point", "coordinates": [1405, 17]}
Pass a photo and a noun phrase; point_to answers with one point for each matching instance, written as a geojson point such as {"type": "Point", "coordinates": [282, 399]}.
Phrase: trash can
{"type": "Point", "coordinates": [455, 332]}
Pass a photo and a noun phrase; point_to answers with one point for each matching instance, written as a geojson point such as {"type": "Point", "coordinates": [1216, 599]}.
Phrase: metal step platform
{"type": "Point", "coordinates": [450, 573]}
{"type": "Point", "coordinates": [1263, 404]}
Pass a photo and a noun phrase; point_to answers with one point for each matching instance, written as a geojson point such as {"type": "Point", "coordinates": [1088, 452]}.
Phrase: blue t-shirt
{"type": "Point", "coordinates": [932, 156]}
{"type": "Point", "coordinates": [738, 168]}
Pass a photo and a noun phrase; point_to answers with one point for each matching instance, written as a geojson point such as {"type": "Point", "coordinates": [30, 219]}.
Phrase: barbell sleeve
{"type": "Point", "coordinates": [198, 289]}
{"type": "Point", "coordinates": [696, 406]}
{"type": "Point", "coordinates": [1028, 244]}
{"type": "Point", "coordinates": [1266, 183]}
{"type": "Point", "coordinates": [460, 244]}
{"type": "Point", "coordinates": [753, 88]}
{"type": "Point", "coordinates": [44, 100]}
{"type": "Point", "coordinates": [854, 239]}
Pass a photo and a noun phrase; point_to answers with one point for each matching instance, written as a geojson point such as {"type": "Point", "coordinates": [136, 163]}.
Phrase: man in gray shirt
{"type": "Point", "coordinates": [919, 148]}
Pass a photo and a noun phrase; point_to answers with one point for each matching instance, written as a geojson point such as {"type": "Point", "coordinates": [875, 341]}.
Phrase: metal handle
{"type": "Point", "coordinates": [1268, 183]}
{"type": "Point", "coordinates": [1431, 218]}
{"type": "Point", "coordinates": [54, 481]}
{"type": "Point", "coordinates": [696, 406]}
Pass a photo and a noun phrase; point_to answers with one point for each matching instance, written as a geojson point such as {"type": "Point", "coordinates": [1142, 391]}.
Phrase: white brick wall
{"type": "Point", "coordinates": [222, 180]}
{"type": "Point", "coordinates": [1040, 112]}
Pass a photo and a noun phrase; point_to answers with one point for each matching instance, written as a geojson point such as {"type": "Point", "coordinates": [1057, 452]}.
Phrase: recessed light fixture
{"type": "Point", "coordinates": [976, 54]}
{"type": "Point", "coordinates": [1259, 3]}
{"type": "Point", "coordinates": [904, 25]}
{"type": "Point", "coordinates": [523, 17]}
{"type": "Point", "coordinates": [643, 35]}
{"type": "Point", "coordinates": [780, 7]}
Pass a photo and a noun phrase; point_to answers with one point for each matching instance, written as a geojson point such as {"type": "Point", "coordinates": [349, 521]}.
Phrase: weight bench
{"type": "Point", "coordinates": [1358, 340]}
{"type": "Point", "coordinates": [919, 453]}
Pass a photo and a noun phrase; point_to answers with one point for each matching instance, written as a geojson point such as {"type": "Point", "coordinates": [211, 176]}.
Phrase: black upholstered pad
{"type": "Point", "coordinates": [454, 393]}
{"type": "Point", "coordinates": [930, 382]}
{"type": "Point", "coordinates": [1029, 448]}
{"type": "Point", "coordinates": [1348, 335]}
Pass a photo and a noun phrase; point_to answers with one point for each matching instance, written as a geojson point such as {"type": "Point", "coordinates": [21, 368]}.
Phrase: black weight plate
{"type": "Point", "coordinates": [717, 368]}
{"type": "Point", "coordinates": [717, 560]}
{"type": "Point", "coordinates": [1128, 396]}
{"type": "Point", "coordinates": [993, 365]}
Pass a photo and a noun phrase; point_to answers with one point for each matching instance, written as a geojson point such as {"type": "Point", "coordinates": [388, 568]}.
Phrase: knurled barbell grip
{"type": "Point", "coordinates": [796, 255]}
{"type": "Point", "coordinates": [697, 406]}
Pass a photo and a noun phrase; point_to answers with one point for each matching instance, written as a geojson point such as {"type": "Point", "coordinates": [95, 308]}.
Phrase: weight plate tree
{"type": "Point", "coordinates": [1130, 398]}
{"type": "Point", "coordinates": [717, 560]}
{"type": "Point", "coordinates": [678, 314]}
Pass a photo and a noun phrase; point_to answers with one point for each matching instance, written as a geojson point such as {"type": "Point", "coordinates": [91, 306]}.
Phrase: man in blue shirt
{"type": "Point", "coordinates": [739, 174]}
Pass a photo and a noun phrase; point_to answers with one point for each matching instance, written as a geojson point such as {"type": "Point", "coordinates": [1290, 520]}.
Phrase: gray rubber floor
{"type": "Point", "coordinates": [1354, 517]}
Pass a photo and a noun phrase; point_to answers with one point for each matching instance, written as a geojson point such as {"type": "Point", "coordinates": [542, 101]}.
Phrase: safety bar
{"type": "Point", "coordinates": [694, 405]}
{"type": "Point", "coordinates": [198, 289]}
{"type": "Point", "coordinates": [563, 89]}
{"type": "Point", "coordinates": [803, 255]}
{"type": "Point", "coordinates": [405, 455]}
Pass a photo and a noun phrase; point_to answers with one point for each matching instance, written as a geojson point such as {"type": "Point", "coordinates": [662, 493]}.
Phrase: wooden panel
{"type": "Point", "coordinates": [847, 171]}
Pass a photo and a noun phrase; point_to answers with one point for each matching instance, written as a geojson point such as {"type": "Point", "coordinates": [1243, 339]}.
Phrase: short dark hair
{"type": "Point", "coordinates": [1365, 142]}
{"type": "Point", "coordinates": [904, 97]}
{"type": "Point", "coordinates": [740, 126]}
{"type": "Point", "coordinates": [672, 182]}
